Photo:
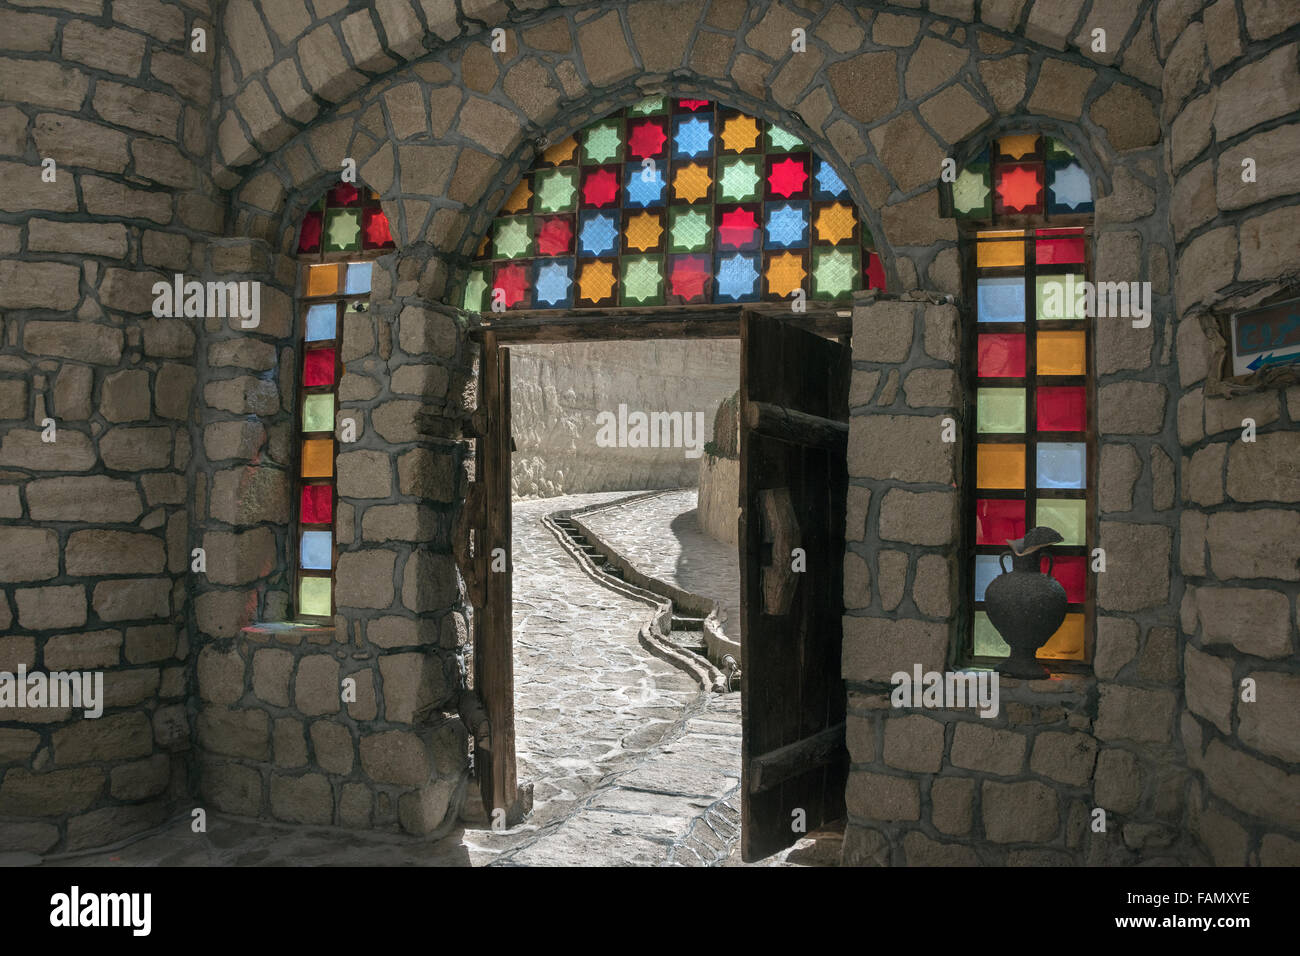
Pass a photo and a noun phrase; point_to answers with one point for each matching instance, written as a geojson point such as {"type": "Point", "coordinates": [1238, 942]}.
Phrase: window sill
{"type": "Point", "coordinates": [288, 632]}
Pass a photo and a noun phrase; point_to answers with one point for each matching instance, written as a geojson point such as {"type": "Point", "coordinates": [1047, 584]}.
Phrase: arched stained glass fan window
{"type": "Point", "coordinates": [674, 202]}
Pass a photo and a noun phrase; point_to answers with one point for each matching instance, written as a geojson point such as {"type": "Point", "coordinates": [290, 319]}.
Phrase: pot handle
{"type": "Point", "coordinates": [1049, 564]}
{"type": "Point", "coordinates": [1002, 564]}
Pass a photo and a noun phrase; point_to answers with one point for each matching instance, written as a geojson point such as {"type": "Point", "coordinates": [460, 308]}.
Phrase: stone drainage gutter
{"type": "Point", "coordinates": [618, 574]}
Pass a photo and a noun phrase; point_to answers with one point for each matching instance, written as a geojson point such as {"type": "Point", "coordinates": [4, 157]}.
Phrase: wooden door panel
{"type": "Point", "coordinates": [793, 442]}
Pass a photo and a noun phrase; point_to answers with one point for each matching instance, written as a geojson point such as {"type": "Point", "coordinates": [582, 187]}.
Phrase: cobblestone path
{"type": "Point", "coordinates": [662, 537]}
{"type": "Point", "coordinates": [632, 763]}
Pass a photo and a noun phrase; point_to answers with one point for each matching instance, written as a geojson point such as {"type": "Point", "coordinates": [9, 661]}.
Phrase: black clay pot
{"type": "Point", "coordinates": [1025, 605]}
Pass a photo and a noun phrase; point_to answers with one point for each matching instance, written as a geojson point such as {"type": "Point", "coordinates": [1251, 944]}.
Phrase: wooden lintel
{"type": "Point", "coordinates": [773, 768]}
{"type": "Point", "coordinates": [796, 427]}
{"type": "Point", "coordinates": [664, 322]}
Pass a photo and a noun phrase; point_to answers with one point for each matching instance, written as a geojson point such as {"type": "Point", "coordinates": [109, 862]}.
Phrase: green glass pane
{"type": "Point", "coordinates": [1060, 298]}
{"type": "Point", "coordinates": [1000, 410]}
{"type": "Point", "coordinates": [834, 273]}
{"type": "Point", "coordinates": [602, 142]}
{"type": "Point", "coordinates": [689, 230]}
{"type": "Point", "coordinates": [1057, 149]}
{"type": "Point", "coordinates": [475, 286]}
{"type": "Point", "coordinates": [642, 279]}
{"type": "Point", "coordinates": [318, 413]}
{"type": "Point", "coordinates": [970, 193]}
{"type": "Point", "coordinates": [650, 105]}
{"type": "Point", "coordinates": [1068, 516]}
{"type": "Point", "coordinates": [988, 642]}
{"type": "Point", "coordinates": [738, 181]}
{"type": "Point", "coordinates": [342, 230]}
{"type": "Point", "coordinates": [557, 189]}
{"type": "Point", "coordinates": [781, 140]}
{"type": "Point", "coordinates": [512, 239]}
{"type": "Point", "coordinates": [314, 596]}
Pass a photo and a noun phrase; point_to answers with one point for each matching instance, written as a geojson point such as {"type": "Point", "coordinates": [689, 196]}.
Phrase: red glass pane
{"type": "Point", "coordinates": [1062, 408]}
{"type": "Point", "coordinates": [1020, 188]}
{"type": "Point", "coordinates": [787, 177]}
{"type": "Point", "coordinates": [309, 237]}
{"type": "Point", "coordinates": [600, 188]}
{"type": "Point", "coordinates": [875, 272]}
{"type": "Point", "coordinates": [1001, 355]}
{"type": "Point", "coordinates": [1056, 246]}
{"type": "Point", "coordinates": [998, 521]}
{"type": "Point", "coordinates": [512, 279]}
{"type": "Point", "coordinates": [375, 233]}
{"type": "Point", "coordinates": [692, 105]}
{"type": "Point", "coordinates": [317, 504]}
{"type": "Point", "coordinates": [647, 139]}
{"type": "Point", "coordinates": [689, 276]}
{"type": "Point", "coordinates": [554, 237]}
{"type": "Point", "coordinates": [737, 228]}
{"type": "Point", "coordinates": [318, 368]}
{"type": "Point", "coordinates": [1071, 570]}
{"type": "Point", "coordinates": [344, 194]}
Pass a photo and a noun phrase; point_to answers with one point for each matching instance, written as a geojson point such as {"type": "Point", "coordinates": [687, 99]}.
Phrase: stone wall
{"type": "Point", "coordinates": [94, 531]}
{"type": "Point", "coordinates": [719, 498]}
{"type": "Point", "coordinates": [558, 391]}
{"type": "Point", "coordinates": [1231, 93]}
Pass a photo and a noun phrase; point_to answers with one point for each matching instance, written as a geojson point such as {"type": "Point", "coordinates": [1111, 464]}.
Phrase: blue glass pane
{"type": "Point", "coordinates": [358, 278]}
{"type": "Point", "coordinates": [1071, 188]}
{"type": "Point", "coordinates": [787, 225]}
{"type": "Point", "coordinates": [1062, 464]}
{"type": "Point", "coordinates": [554, 283]}
{"type": "Point", "coordinates": [599, 234]}
{"type": "Point", "coordinates": [321, 322]}
{"type": "Point", "coordinates": [645, 186]}
{"type": "Point", "coordinates": [986, 569]}
{"type": "Point", "coordinates": [1001, 300]}
{"type": "Point", "coordinates": [829, 184]}
{"type": "Point", "coordinates": [738, 277]}
{"type": "Point", "coordinates": [692, 138]}
{"type": "Point", "coordinates": [317, 551]}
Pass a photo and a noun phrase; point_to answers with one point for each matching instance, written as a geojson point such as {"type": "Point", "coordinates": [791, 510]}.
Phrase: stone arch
{"type": "Point", "coordinates": [884, 110]}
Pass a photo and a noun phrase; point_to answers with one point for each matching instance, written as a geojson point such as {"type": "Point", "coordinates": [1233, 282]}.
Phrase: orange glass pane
{"type": "Point", "coordinates": [1000, 466]}
{"type": "Point", "coordinates": [318, 458]}
{"type": "Point", "coordinates": [1067, 643]}
{"type": "Point", "coordinates": [1019, 145]}
{"type": "Point", "coordinates": [1003, 250]}
{"type": "Point", "coordinates": [1061, 353]}
{"type": "Point", "coordinates": [323, 280]}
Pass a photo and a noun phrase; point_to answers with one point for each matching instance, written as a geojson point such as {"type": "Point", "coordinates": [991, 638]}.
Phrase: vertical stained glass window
{"type": "Point", "coordinates": [674, 202]}
{"type": "Point", "coordinates": [1026, 205]}
{"type": "Point", "coordinates": [338, 237]}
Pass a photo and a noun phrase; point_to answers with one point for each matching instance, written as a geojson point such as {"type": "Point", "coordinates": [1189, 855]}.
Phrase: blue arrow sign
{"type": "Point", "coordinates": [1270, 359]}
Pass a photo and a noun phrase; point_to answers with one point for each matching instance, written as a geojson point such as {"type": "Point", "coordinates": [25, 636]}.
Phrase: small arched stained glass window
{"type": "Point", "coordinates": [674, 202]}
{"type": "Point", "coordinates": [1025, 204]}
{"type": "Point", "coordinates": [338, 237]}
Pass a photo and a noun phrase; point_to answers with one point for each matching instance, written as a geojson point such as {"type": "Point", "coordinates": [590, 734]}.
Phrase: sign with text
{"type": "Point", "coordinates": [1266, 336]}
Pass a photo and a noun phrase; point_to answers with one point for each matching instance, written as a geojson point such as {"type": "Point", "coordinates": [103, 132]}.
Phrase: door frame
{"type": "Point", "coordinates": [488, 710]}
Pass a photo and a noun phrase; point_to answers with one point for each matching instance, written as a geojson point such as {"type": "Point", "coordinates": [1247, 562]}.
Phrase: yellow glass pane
{"type": "Point", "coordinates": [318, 413]}
{"type": "Point", "coordinates": [988, 642]}
{"type": "Point", "coordinates": [1000, 466]}
{"type": "Point", "coordinates": [519, 198]}
{"type": "Point", "coordinates": [323, 280]}
{"type": "Point", "coordinates": [1068, 516]}
{"type": "Point", "coordinates": [318, 458]}
{"type": "Point", "coordinates": [1061, 353]}
{"type": "Point", "coordinates": [314, 596]}
{"type": "Point", "coordinates": [1003, 250]}
{"type": "Point", "coordinates": [1019, 145]}
{"type": "Point", "coordinates": [1067, 643]}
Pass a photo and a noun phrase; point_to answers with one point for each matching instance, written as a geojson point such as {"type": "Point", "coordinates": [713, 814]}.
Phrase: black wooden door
{"type": "Point", "coordinates": [793, 483]}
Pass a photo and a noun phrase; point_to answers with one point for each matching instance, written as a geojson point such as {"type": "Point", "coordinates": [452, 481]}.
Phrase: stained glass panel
{"type": "Point", "coordinates": [314, 596]}
{"type": "Point", "coordinates": [674, 200]}
{"type": "Point", "coordinates": [1000, 466]}
{"type": "Point", "coordinates": [322, 322]}
{"type": "Point", "coordinates": [316, 550]}
{"type": "Point", "coordinates": [1061, 408]}
{"type": "Point", "coordinates": [318, 413]}
{"type": "Point", "coordinates": [1000, 410]}
{"type": "Point", "coordinates": [318, 458]}
{"type": "Point", "coordinates": [317, 504]}
{"type": "Point", "coordinates": [999, 520]}
{"type": "Point", "coordinates": [1067, 515]}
